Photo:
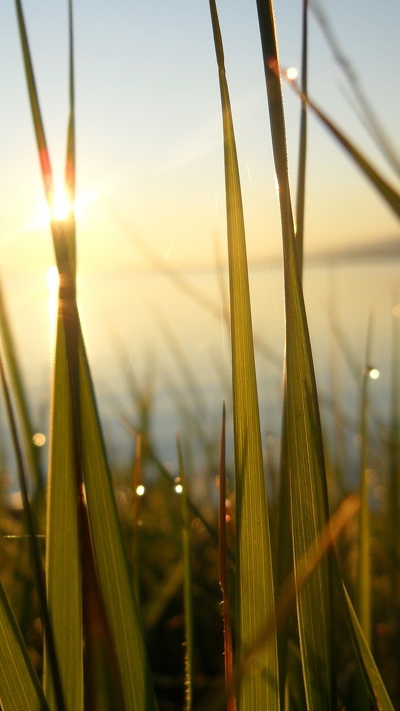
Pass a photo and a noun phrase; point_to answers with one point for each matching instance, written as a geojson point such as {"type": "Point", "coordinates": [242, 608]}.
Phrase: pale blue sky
{"type": "Point", "coordinates": [149, 124]}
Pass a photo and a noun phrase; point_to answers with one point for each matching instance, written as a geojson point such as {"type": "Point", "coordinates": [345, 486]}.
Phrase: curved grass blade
{"type": "Point", "coordinates": [368, 115]}
{"type": "Point", "coordinates": [366, 661]}
{"type": "Point", "coordinates": [255, 590]}
{"type": "Point", "coordinates": [308, 487]}
{"type": "Point", "coordinates": [386, 191]}
{"type": "Point", "coordinates": [19, 684]}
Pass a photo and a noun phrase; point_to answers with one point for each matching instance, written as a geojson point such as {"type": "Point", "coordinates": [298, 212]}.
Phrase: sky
{"type": "Point", "coordinates": [149, 149]}
{"type": "Point", "coordinates": [150, 155]}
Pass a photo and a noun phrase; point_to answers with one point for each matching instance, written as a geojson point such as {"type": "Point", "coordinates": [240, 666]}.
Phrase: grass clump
{"type": "Point", "coordinates": [129, 597]}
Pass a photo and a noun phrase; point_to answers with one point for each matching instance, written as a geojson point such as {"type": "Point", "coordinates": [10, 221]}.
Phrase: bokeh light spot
{"type": "Point", "coordinates": [39, 439]}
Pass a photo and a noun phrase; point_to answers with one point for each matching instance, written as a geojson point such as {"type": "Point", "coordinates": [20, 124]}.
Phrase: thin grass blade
{"type": "Point", "coordinates": [44, 157]}
{"type": "Point", "coordinates": [368, 114]}
{"type": "Point", "coordinates": [301, 177]}
{"type": "Point", "coordinates": [223, 574]}
{"type": "Point", "coordinates": [187, 586]}
{"type": "Point", "coordinates": [70, 163]}
{"type": "Point", "coordinates": [386, 191]}
{"type": "Point", "coordinates": [255, 590]}
{"type": "Point", "coordinates": [364, 542]}
{"type": "Point", "coordinates": [308, 487]}
{"type": "Point", "coordinates": [366, 661]}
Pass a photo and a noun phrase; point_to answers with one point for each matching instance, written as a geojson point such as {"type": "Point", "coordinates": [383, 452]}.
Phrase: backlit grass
{"type": "Point", "coordinates": [112, 585]}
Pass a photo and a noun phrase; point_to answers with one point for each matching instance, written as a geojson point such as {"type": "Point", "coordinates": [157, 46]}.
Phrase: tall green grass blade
{"type": "Point", "coordinates": [119, 601]}
{"type": "Point", "coordinates": [255, 590]}
{"type": "Point", "coordinates": [284, 562]}
{"type": "Point", "coordinates": [308, 488]}
{"type": "Point", "coordinates": [19, 684]}
{"type": "Point", "coordinates": [187, 586]}
{"type": "Point", "coordinates": [386, 191]}
{"type": "Point", "coordinates": [86, 454]}
{"type": "Point", "coordinates": [306, 568]}
{"type": "Point", "coordinates": [301, 178]}
{"type": "Point", "coordinates": [63, 528]}
{"type": "Point", "coordinates": [62, 552]}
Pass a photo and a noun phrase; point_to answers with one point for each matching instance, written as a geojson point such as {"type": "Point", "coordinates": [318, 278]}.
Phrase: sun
{"type": "Point", "coordinates": [61, 205]}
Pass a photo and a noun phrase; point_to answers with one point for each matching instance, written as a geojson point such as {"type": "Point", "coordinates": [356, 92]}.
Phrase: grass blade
{"type": "Point", "coordinates": [62, 554]}
{"type": "Point", "coordinates": [85, 458]}
{"type": "Point", "coordinates": [19, 684]}
{"type": "Point", "coordinates": [309, 498]}
{"type": "Point", "coordinates": [36, 554]}
{"type": "Point", "coordinates": [368, 115]}
{"type": "Point", "coordinates": [223, 576]}
{"type": "Point", "coordinates": [366, 661]}
{"type": "Point", "coordinates": [120, 604]}
{"type": "Point", "coordinates": [386, 191]}
{"type": "Point", "coordinates": [364, 553]}
{"type": "Point", "coordinates": [301, 178]}
{"type": "Point", "coordinates": [43, 152]}
{"type": "Point", "coordinates": [255, 591]}
{"type": "Point", "coordinates": [187, 586]}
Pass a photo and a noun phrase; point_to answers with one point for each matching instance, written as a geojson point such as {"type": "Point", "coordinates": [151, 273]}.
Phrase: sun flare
{"type": "Point", "coordinates": [60, 208]}
{"type": "Point", "coordinates": [61, 205]}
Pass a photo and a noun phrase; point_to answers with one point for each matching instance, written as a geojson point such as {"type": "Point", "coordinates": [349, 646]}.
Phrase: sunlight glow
{"type": "Point", "coordinates": [140, 490]}
{"type": "Point", "coordinates": [61, 206]}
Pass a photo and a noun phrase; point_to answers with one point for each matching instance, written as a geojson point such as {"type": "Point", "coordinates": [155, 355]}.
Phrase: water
{"type": "Point", "coordinates": [149, 328]}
